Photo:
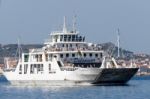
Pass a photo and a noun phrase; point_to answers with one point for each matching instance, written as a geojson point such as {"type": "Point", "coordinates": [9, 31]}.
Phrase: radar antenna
{"type": "Point", "coordinates": [19, 50]}
{"type": "Point", "coordinates": [118, 42]}
{"type": "Point", "coordinates": [74, 23]}
{"type": "Point", "coordinates": [64, 25]}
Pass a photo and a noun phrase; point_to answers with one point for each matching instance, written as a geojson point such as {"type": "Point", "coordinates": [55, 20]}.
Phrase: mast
{"type": "Point", "coordinates": [74, 23]}
{"type": "Point", "coordinates": [64, 25]}
{"type": "Point", "coordinates": [118, 42]}
{"type": "Point", "coordinates": [19, 49]}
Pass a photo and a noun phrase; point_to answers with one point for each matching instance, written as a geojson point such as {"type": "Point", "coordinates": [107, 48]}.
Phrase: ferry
{"type": "Point", "coordinates": [67, 58]}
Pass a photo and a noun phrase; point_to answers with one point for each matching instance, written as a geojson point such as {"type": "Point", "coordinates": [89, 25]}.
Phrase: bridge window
{"type": "Point", "coordinates": [73, 55]}
{"type": "Point", "coordinates": [90, 54]}
{"type": "Point", "coordinates": [61, 55]}
{"type": "Point", "coordinates": [80, 38]}
{"type": "Point", "coordinates": [61, 37]}
{"type": "Point", "coordinates": [96, 55]}
{"type": "Point", "coordinates": [84, 54]}
{"type": "Point", "coordinates": [65, 37]}
{"type": "Point", "coordinates": [67, 55]}
{"type": "Point", "coordinates": [55, 38]}
{"type": "Point", "coordinates": [69, 37]}
{"type": "Point", "coordinates": [73, 37]}
{"type": "Point", "coordinates": [76, 37]}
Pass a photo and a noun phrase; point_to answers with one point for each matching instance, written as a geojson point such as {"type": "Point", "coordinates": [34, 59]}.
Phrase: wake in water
{"type": "Point", "coordinates": [49, 84]}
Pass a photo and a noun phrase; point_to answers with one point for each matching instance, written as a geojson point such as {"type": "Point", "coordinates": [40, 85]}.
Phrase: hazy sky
{"type": "Point", "coordinates": [98, 20]}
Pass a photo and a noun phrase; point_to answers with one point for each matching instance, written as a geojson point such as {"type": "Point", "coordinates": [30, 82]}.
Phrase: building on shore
{"type": "Point", "coordinates": [10, 62]}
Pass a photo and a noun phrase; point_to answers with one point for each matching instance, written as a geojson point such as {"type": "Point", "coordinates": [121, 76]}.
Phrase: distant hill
{"type": "Point", "coordinates": [110, 48]}
{"type": "Point", "coordinates": [10, 49]}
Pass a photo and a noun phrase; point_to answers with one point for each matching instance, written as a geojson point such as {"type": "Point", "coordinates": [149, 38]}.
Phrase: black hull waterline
{"type": "Point", "coordinates": [115, 76]}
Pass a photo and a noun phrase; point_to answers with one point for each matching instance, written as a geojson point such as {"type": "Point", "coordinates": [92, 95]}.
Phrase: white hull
{"type": "Point", "coordinates": [82, 75]}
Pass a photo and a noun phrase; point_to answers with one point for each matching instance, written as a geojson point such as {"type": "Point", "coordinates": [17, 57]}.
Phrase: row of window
{"type": "Point", "coordinates": [71, 38]}
{"type": "Point", "coordinates": [38, 58]}
{"type": "Point", "coordinates": [84, 54]}
{"type": "Point", "coordinates": [67, 45]}
{"type": "Point", "coordinates": [34, 69]}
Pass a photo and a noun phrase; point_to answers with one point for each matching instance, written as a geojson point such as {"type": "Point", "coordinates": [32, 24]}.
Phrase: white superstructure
{"type": "Point", "coordinates": [65, 57]}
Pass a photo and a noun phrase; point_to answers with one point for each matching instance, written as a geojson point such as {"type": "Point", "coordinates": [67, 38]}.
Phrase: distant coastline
{"type": "Point", "coordinates": [142, 60]}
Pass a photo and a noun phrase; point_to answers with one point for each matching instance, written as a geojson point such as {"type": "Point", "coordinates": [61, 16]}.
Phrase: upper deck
{"type": "Point", "coordinates": [66, 40]}
{"type": "Point", "coordinates": [64, 36]}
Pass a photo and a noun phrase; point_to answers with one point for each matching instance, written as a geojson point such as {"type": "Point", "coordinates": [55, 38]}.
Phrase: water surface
{"type": "Point", "coordinates": [136, 89]}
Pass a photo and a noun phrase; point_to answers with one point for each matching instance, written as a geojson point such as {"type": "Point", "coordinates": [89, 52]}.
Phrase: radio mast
{"type": "Point", "coordinates": [118, 41]}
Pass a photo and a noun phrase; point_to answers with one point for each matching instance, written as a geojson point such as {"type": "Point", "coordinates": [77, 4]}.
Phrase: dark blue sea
{"type": "Point", "coordinates": [136, 88]}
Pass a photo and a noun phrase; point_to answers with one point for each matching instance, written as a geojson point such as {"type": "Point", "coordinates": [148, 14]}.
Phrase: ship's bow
{"type": "Point", "coordinates": [115, 75]}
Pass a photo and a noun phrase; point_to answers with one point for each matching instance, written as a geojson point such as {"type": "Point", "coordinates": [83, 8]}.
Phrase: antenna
{"type": "Point", "coordinates": [64, 25]}
{"type": "Point", "coordinates": [118, 42]}
{"type": "Point", "coordinates": [19, 49]}
{"type": "Point", "coordinates": [74, 23]}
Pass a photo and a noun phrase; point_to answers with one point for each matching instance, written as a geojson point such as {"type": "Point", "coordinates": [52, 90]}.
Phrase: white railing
{"type": "Point", "coordinates": [72, 49]}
